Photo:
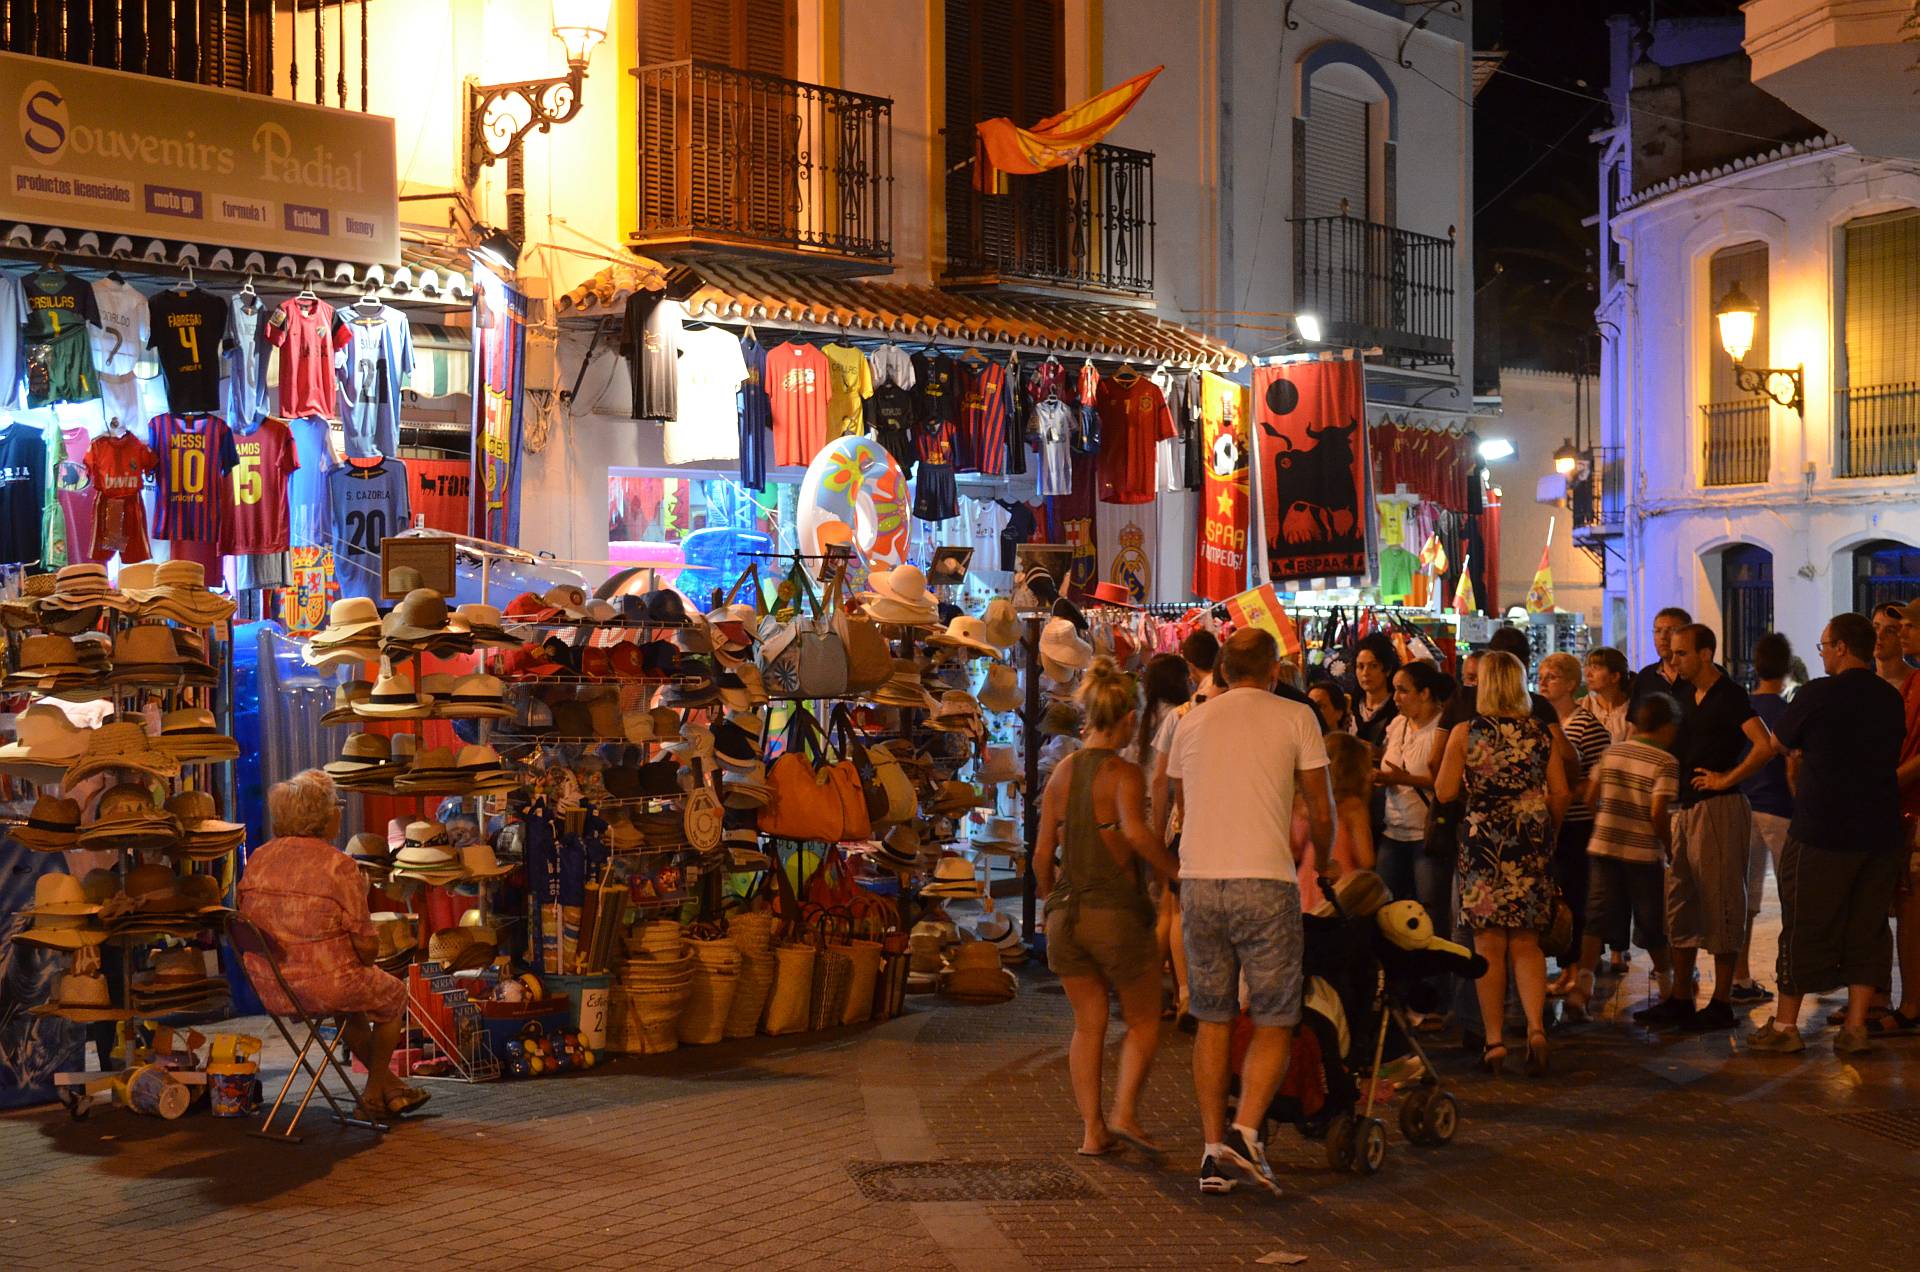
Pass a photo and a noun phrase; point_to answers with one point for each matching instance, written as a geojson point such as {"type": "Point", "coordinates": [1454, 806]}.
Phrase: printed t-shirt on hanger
{"type": "Point", "coordinates": [118, 344]}
{"type": "Point", "coordinates": [890, 413]}
{"type": "Point", "coordinates": [116, 466]}
{"type": "Point", "coordinates": [23, 484]}
{"type": "Point", "coordinates": [193, 496]}
{"type": "Point", "coordinates": [187, 327]}
{"type": "Point", "coordinates": [366, 503]}
{"type": "Point", "coordinates": [58, 353]}
{"type": "Point", "coordinates": [649, 341]}
{"type": "Point", "coordinates": [796, 383]}
{"type": "Point", "coordinates": [378, 356]}
{"type": "Point", "coordinates": [302, 330]}
{"type": "Point", "coordinates": [706, 425]}
{"type": "Point", "coordinates": [267, 458]}
{"type": "Point", "coordinates": [851, 378]}
{"type": "Point", "coordinates": [1133, 420]}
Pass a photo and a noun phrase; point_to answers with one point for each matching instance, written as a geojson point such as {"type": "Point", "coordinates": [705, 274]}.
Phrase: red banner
{"type": "Point", "coordinates": [1220, 552]}
{"type": "Point", "coordinates": [1311, 446]}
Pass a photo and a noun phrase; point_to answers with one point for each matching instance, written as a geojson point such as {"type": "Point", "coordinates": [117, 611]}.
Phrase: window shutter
{"type": "Point", "coordinates": [1746, 265]}
{"type": "Point", "coordinates": [1336, 159]}
{"type": "Point", "coordinates": [1883, 300]}
{"type": "Point", "coordinates": [1003, 58]}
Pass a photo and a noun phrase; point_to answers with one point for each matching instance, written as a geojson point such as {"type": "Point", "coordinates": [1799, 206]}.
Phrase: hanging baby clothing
{"type": "Point", "coordinates": [116, 465]}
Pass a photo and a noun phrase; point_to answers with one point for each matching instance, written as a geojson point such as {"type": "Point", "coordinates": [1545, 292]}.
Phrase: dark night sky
{"type": "Point", "coordinates": [1535, 175]}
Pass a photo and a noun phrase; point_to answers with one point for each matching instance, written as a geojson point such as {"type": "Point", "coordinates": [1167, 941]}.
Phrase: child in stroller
{"type": "Point", "coordinates": [1363, 952]}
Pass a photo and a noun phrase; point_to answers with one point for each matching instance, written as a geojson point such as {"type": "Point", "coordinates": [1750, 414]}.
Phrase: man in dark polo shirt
{"type": "Point", "coordinates": [1707, 878]}
{"type": "Point", "coordinates": [1659, 675]}
{"type": "Point", "coordinates": [1843, 856]}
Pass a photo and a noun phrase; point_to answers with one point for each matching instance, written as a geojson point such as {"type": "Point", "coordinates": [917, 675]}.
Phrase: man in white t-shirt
{"type": "Point", "coordinates": [1236, 761]}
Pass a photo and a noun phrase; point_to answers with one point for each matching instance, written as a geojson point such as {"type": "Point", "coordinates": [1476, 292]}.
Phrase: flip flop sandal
{"type": "Point", "coordinates": [406, 1100]}
{"type": "Point", "coordinates": [1112, 1147]}
{"type": "Point", "coordinates": [1140, 1142]}
{"type": "Point", "coordinates": [1891, 1024]}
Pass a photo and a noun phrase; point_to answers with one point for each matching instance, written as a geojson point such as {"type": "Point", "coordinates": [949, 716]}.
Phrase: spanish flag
{"type": "Point", "coordinates": [1261, 608]}
{"type": "Point", "coordinates": [1464, 601]}
{"type": "Point", "coordinates": [1053, 142]}
{"type": "Point", "coordinates": [1540, 593]}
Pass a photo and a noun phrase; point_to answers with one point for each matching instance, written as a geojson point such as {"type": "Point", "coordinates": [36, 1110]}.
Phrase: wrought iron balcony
{"type": "Point", "coordinates": [1376, 285]}
{"type": "Point", "coordinates": [1738, 442]}
{"type": "Point", "coordinates": [1598, 498]}
{"type": "Point", "coordinates": [1088, 227]}
{"type": "Point", "coordinates": [222, 43]}
{"type": "Point", "coordinates": [735, 163]}
{"type": "Point", "coordinates": [1877, 431]}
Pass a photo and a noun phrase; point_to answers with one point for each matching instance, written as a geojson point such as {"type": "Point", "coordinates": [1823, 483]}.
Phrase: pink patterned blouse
{"type": "Point", "coordinates": [312, 900]}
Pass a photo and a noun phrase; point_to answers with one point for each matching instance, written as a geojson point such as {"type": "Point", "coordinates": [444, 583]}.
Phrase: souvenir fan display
{"type": "Point", "coordinates": [124, 735]}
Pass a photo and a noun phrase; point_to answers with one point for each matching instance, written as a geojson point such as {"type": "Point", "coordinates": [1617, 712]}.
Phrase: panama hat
{"type": "Point", "coordinates": [457, 950]}
{"type": "Point", "coordinates": [476, 698]}
{"type": "Point", "coordinates": [121, 744]}
{"type": "Point", "coordinates": [393, 697]}
{"type": "Point", "coordinates": [1000, 836]}
{"type": "Point", "coordinates": [45, 737]}
{"type": "Point", "coordinates": [370, 852]}
{"type": "Point", "coordinates": [61, 896]}
{"type": "Point", "coordinates": [482, 622]}
{"type": "Point", "coordinates": [421, 619]}
{"type": "Point", "coordinates": [738, 741]}
{"type": "Point", "coordinates": [352, 618]}
{"type": "Point", "coordinates": [45, 658]}
{"type": "Point", "coordinates": [359, 753]}
{"type": "Point", "coordinates": [964, 632]}
{"type": "Point", "coordinates": [51, 826]}
{"type": "Point", "coordinates": [953, 878]}
{"type": "Point", "coordinates": [192, 735]}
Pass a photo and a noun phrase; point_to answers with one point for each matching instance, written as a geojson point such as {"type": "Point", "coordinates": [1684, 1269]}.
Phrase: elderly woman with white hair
{"type": "Point", "coordinates": [311, 900]}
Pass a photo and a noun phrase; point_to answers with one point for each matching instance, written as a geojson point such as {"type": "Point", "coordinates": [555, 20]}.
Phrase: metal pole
{"type": "Point", "coordinates": [1030, 739]}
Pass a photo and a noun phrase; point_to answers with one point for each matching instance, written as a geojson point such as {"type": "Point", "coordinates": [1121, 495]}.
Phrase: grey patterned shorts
{"type": "Point", "coordinates": [1242, 926]}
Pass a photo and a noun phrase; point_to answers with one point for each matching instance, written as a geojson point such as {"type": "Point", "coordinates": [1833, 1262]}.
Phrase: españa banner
{"type": "Point", "coordinates": [1054, 142]}
{"type": "Point", "coordinates": [1311, 445]}
{"type": "Point", "coordinates": [1261, 608]}
{"type": "Point", "coordinates": [499, 366]}
{"type": "Point", "coordinates": [156, 158]}
{"type": "Point", "coordinates": [1220, 552]}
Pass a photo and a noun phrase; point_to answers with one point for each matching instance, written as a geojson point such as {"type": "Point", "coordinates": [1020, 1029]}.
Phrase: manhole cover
{"type": "Point", "coordinates": [1010, 1179]}
{"type": "Point", "coordinates": [1902, 1126]}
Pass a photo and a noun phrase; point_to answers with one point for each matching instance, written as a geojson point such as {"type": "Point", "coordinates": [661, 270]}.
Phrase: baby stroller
{"type": "Point", "coordinates": [1363, 952]}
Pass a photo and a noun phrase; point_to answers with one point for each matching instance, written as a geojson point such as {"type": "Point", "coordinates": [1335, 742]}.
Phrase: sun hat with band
{"type": "Point", "coordinates": [83, 586]}
{"type": "Point", "coordinates": [51, 826]}
{"type": "Point", "coordinates": [44, 737]}
{"type": "Point", "coordinates": [476, 698]}
{"type": "Point", "coordinates": [965, 633]}
{"type": "Point", "coordinates": [482, 622]}
{"type": "Point", "coordinates": [394, 697]}
{"type": "Point", "coordinates": [192, 735]}
{"type": "Point", "coordinates": [204, 834]}
{"type": "Point", "coordinates": [953, 878]}
{"type": "Point", "coordinates": [352, 618]}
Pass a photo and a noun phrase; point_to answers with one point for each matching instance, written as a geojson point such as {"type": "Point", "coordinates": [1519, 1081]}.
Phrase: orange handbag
{"type": "Point", "coordinates": [815, 798]}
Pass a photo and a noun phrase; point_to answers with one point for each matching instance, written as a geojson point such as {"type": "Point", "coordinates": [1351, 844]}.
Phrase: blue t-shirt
{"type": "Point", "coordinates": [1767, 790]}
{"type": "Point", "coordinates": [376, 359]}
{"type": "Point", "coordinates": [366, 506]}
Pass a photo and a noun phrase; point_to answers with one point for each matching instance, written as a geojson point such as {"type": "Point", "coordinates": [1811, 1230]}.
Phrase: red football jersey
{"type": "Point", "coordinates": [303, 332]}
{"type": "Point", "coordinates": [267, 460]}
{"type": "Point", "coordinates": [115, 467]}
{"type": "Point", "coordinates": [1133, 419]}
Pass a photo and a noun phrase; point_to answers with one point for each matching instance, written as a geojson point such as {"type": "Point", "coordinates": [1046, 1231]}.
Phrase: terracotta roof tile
{"type": "Point", "coordinates": [905, 311]}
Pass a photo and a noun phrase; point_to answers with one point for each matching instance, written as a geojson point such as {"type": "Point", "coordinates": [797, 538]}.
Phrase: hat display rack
{"type": "Point", "coordinates": [157, 641]}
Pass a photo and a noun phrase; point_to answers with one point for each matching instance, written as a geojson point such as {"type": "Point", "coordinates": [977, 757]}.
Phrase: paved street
{"type": "Point", "coordinates": [1635, 1153]}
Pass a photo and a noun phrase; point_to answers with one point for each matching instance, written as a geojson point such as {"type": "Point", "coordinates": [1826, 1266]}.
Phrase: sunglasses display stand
{"type": "Point", "coordinates": [154, 1076]}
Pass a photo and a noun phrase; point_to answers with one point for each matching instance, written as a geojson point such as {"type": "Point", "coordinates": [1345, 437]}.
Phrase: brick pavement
{"type": "Point", "coordinates": [1636, 1153]}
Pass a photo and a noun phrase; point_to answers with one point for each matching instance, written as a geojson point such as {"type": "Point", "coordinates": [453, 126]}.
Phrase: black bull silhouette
{"type": "Point", "coordinates": [1314, 489]}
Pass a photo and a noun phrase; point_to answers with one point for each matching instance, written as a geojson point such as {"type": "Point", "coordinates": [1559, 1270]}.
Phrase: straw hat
{"type": "Point", "coordinates": [344, 696]}
{"type": "Point", "coordinates": [45, 659]}
{"type": "Point", "coordinates": [62, 914]}
{"type": "Point", "coordinates": [394, 697]}
{"type": "Point", "coordinates": [126, 817]}
{"type": "Point", "coordinates": [999, 768]}
{"type": "Point", "coordinates": [51, 824]}
{"type": "Point", "coordinates": [83, 586]}
{"type": "Point", "coordinates": [954, 877]}
{"type": "Point", "coordinates": [1062, 651]}
{"type": "Point", "coordinates": [44, 736]}
{"type": "Point", "coordinates": [745, 787]}
{"type": "Point", "coordinates": [1000, 836]}
{"type": "Point", "coordinates": [83, 997]}
{"type": "Point", "coordinates": [370, 852]}
{"type": "Point", "coordinates": [966, 633]}
{"type": "Point", "coordinates": [180, 593]}
{"type": "Point", "coordinates": [352, 618]}
{"type": "Point", "coordinates": [121, 744]}
{"type": "Point", "coordinates": [958, 713]}
{"type": "Point", "coordinates": [151, 653]}
{"type": "Point", "coordinates": [1001, 624]}
{"type": "Point", "coordinates": [205, 835]}
{"type": "Point", "coordinates": [457, 950]}
{"type": "Point", "coordinates": [903, 688]}
{"type": "Point", "coordinates": [192, 735]}
{"type": "Point", "coordinates": [483, 623]}
{"type": "Point", "coordinates": [476, 698]}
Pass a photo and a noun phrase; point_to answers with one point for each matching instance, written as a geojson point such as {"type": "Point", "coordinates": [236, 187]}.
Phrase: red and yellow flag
{"type": "Point", "coordinates": [1464, 601]}
{"type": "Point", "coordinates": [1540, 593]}
{"type": "Point", "coordinates": [1053, 142]}
{"type": "Point", "coordinates": [1261, 608]}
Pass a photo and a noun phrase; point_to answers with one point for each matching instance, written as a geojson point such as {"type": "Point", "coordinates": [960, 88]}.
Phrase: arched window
{"type": "Point", "coordinates": [1345, 126]}
{"type": "Point", "coordinates": [1884, 571]}
{"type": "Point", "coordinates": [1746, 602]}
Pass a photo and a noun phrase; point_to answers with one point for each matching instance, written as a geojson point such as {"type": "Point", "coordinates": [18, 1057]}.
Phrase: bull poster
{"type": "Point", "coordinates": [499, 368]}
{"type": "Point", "coordinates": [1220, 551]}
{"type": "Point", "coordinates": [1310, 443]}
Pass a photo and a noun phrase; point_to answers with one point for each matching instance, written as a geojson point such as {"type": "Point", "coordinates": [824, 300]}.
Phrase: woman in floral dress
{"type": "Point", "coordinates": [1515, 796]}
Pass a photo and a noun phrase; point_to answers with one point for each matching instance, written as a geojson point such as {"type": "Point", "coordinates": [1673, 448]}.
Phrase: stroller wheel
{"type": "Point", "coordinates": [1443, 1118]}
{"type": "Point", "coordinates": [1371, 1152]}
{"type": "Point", "coordinates": [1340, 1142]}
{"type": "Point", "coordinates": [1414, 1115]}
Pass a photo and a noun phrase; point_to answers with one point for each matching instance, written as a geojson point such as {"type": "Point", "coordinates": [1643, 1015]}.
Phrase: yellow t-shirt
{"type": "Point", "coordinates": [850, 384]}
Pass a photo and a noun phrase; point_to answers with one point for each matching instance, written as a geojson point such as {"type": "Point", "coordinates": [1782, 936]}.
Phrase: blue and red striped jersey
{"type": "Point", "coordinates": [983, 418]}
{"type": "Point", "coordinates": [192, 493]}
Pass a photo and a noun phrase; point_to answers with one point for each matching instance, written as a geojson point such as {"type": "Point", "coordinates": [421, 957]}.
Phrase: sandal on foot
{"type": "Point", "coordinates": [1536, 1054]}
{"type": "Point", "coordinates": [1140, 1142]}
{"type": "Point", "coordinates": [1891, 1024]}
{"type": "Point", "coordinates": [1111, 1147]}
{"type": "Point", "coordinates": [1492, 1056]}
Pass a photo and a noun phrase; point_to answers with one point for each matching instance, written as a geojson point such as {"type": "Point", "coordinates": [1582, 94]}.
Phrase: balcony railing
{"type": "Point", "coordinates": [223, 43]}
{"type": "Point", "coordinates": [1737, 447]}
{"type": "Point", "coordinates": [1878, 431]}
{"type": "Point", "coordinates": [1376, 285]}
{"type": "Point", "coordinates": [1599, 499]}
{"type": "Point", "coordinates": [735, 161]}
{"type": "Point", "coordinates": [1088, 227]}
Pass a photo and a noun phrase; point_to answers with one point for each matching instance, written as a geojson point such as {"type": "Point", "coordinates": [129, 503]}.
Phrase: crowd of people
{"type": "Point", "coordinates": [1602, 809]}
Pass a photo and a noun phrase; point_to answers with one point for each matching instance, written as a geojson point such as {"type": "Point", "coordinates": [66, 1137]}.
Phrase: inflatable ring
{"type": "Point", "coordinates": [854, 493]}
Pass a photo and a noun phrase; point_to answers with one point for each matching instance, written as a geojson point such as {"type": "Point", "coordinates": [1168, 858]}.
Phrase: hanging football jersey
{"type": "Point", "coordinates": [58, 353]}
{"type": "Point", "coordinates": [376, 357]}
{"type": "Point", "coordinates": [193, 498]}
{"type": "Point", "coordinates": [23, 480]}
{"type": "Point", "coordinates": [302, 330]}
{"type": "Point", "coordinates": [116, 465]}
{"type": "Point", "coordinates": [365, 503]}
{"type": "Point", "coordinates": [187, 327]}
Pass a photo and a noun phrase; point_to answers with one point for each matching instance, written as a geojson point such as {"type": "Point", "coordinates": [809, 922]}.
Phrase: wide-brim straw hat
{"type": "Point", "coordinates": [966, 633]}
{"type": "Point", "coordinates": [121, 744]}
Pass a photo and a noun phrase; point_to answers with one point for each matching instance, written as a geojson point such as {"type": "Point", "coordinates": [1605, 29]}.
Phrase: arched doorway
{"type": "Point", "coordinates": [1883, 572]}
{"type": "Point", "coordinates": [1746, 602]}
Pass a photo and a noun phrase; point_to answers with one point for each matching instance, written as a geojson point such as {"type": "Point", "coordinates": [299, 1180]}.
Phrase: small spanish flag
{"type": "Point", "coordinates": [1054, 142]}
{"type": "Point", "coordinates": [1463, 598]}
{"type": "Point", "coordinates": [1261, 608]}
{"type": "Point", "coordinates": [1540, 592]}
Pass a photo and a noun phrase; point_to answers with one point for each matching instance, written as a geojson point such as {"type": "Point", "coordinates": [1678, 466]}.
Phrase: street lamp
{"type": "Point", "coordinates": [499, 116]}
{"type": "Point", "coordinates": [1738, 316]}
{"type": "Point", "coordinates": [1308, 325]}
{"type": "Point", "coordinates": [1566, 460]}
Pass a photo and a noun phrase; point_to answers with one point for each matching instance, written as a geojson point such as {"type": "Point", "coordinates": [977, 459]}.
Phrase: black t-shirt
{"type": "Point", "coordinates": [650, 342]}
{"type": "Point", "coordinates": [1848, 729]}
{"type": "Point", "coordinates": [890, 414]}
{"type": "Point", "coordinates": [187, 329]}
{"type": "Point", "coordinates": [935, 389]}
{"type": "Point", "coordinates": [1712, 736]}
{"type": "Point", "coordinates": [1465, 704]}
{"type": "Point", "coordinates": [23, 472]}
{"type": "Point", "coordinates": [1649, 680]}
{"type": "Point", "coordinates": [57, 304]}
{"type": "Point", "coordinates": [1020, 527]}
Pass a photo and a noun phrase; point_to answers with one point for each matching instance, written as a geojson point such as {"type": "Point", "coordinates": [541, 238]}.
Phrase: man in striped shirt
{"type": "Point", "coordinates": [1631, 788]}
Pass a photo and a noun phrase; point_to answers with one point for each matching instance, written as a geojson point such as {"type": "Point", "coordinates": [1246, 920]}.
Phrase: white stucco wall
{"type": "Point", "coordinates": [1656, 328]}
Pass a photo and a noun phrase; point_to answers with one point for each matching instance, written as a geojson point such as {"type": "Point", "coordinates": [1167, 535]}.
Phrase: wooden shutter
{"type": "Point", "coordinates": [1746, 265]}
{"type": "Point", "coordinates": [1337, 154]}
{"type": "Point", "coordinates": [1004, 57]}
{"type": "Point", "coordinates": [1883, 300]}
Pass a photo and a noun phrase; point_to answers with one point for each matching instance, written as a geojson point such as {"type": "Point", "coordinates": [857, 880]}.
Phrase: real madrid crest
{"type": "Point", "coordinates": [1130, 566]}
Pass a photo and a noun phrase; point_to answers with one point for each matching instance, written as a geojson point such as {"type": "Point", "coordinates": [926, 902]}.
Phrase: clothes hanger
{"type": "Point", "coordinates": [306, 292]}
{"type": "Point", "coordinates": [115, 428]}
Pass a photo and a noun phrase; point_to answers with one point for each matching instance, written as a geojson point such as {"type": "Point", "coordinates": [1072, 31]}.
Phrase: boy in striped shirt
{"type": "Point", "coordinates": [1630, 790]}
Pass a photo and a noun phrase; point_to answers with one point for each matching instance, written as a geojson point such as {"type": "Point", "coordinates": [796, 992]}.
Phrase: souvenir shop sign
{"type": "Point", "coordinates": [131, 154]}
{"type": "Point", "coordinates": [1310, 442]}
{"type": "Point", "coordinates": [429, 557]}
